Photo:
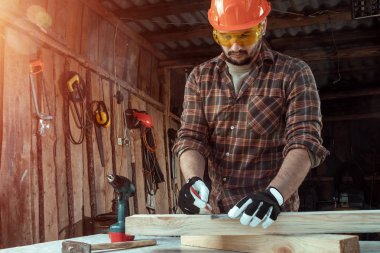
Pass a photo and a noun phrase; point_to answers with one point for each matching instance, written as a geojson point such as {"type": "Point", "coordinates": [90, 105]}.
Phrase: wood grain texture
{"type": "Point", "coordinates": [48, 143]}
{"type": "Point", "coordinates": [138, 104]}
{"type": "Point", "coordinates": [369, 246]}
{"type": "Point", "coordinates": [287, 223]}
{"type": "Point", "coordinates": [326, 243]}
{"type": "Point", "coordinates": [123, 245]}
{"type": "Point", "coordinates": [17, 170]}
{"type": "Point", "coordinates": [162, 203]}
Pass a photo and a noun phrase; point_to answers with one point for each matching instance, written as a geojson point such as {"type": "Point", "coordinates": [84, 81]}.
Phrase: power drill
{"type": "Point", "coordinates": [124, 189]}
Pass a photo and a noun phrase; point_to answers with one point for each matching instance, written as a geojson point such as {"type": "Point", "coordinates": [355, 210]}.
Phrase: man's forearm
{"type": "Point", "coordinates": [293, 171]}
{"type": "Point", "coordinates": [192, 164]}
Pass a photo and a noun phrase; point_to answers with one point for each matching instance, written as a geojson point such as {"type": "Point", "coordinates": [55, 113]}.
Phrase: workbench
{"type": "Point", "coordinates": [164, 245]}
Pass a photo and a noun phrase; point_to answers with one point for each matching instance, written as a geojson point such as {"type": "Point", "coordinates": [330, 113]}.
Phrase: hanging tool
{"type": "Point", "coordinates": [101, 119]}
{"type": "Point", "coordinates": [76, 87]}
{"type": "Point", "coordinates": [101, 115]}
{"type": "Point", "coordinates": [124, 189]}
{"type": "Point", "coordinates": [37, 67]}
{"type": "Point", "coordinates": [152, 171]}
{"type": "Point", "coordinates": [81, 247]}
{"type": "Point", "coordinates": [136, 118]}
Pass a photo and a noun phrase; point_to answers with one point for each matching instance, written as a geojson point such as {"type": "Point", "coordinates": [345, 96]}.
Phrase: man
{"type": "Point", "coordinates": [254, 114]}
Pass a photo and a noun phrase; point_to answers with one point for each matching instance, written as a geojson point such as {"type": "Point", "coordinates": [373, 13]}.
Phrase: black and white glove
{"type": "Point", "coordinates": [259, 207]}
{"type": "Point", "coordinates": [193, 196]}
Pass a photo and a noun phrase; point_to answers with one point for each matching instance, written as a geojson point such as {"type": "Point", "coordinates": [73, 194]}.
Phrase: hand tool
{"type": "Point", "coordinates": [74, 89]}
{"type": "Point", "coordinates": [101, 119]}
{"type": "Point", "coordinates": [125, 189]}
{"type": "Point", "coordinates": [37, 67]}
{"type": "Point", "coordinates": [81, 247]}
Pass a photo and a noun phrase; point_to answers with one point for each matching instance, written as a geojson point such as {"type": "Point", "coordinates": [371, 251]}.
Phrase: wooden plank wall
{"type": "Point", "coordinates": [49, 186]}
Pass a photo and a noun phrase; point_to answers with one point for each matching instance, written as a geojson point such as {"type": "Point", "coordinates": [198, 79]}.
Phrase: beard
{"type": "Point", "coordinates": [242, 57]}
{"type": "Point", "coordinates": [238, 58]}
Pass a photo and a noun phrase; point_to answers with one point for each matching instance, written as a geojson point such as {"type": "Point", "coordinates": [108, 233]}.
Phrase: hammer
{"type": "Point", "coordinates": [81, 247]}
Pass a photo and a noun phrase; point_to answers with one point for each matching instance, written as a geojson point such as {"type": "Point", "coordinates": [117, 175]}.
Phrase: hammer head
{"type": "Point", "coordinates": [75, 247]}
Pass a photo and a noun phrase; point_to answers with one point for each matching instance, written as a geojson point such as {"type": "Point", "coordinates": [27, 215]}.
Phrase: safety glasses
{"type": "Point", "coordinates": [243, 38]}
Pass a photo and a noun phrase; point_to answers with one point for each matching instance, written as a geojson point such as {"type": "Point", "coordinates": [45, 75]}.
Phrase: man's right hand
{"type": "Point", "coordinates": [193, 196]}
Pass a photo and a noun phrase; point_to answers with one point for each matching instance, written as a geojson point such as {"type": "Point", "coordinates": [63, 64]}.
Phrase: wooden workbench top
{"type": "Point", "coordinates": [164, 245]}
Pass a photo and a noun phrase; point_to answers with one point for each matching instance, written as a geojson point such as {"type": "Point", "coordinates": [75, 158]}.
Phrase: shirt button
{"type": "Point", "coordinates": [227, 154]}
{"type": "Point", "coordinates": [224, 179]}
{"type": "Point", "coordinates": [232, 127]}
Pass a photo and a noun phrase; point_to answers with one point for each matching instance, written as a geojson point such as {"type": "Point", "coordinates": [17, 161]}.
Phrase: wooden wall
{"type": "Point", "coordinates": [48, 185]}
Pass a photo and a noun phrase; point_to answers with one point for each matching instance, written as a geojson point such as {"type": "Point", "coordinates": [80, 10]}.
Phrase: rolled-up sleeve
{"type": "Point", "coordinates": [193, 133]}
{"type": "Point", "coordinates": [303, 115]}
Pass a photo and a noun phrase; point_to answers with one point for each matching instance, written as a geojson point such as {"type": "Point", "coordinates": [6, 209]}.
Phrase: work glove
{"type": "Point", "coordinates": [259, 207]}
{"type": "Point", "coordinates": [193, 196]}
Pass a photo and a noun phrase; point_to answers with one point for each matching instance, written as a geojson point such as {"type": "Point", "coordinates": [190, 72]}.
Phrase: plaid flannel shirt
{"type": "Point", "coordinates": [246, 136]}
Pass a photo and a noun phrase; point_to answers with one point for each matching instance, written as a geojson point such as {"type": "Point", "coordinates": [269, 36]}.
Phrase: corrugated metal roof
{"type": "Point", "coordinates": [311, 9]}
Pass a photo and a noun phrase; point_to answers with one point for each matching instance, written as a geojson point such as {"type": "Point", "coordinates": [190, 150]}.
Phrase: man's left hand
{"type": "Point", "coordinates": [259, 207]}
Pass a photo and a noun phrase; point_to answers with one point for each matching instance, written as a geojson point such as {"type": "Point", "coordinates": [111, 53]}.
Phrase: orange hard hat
{"type": "Point", "coordinates": [235, 15]}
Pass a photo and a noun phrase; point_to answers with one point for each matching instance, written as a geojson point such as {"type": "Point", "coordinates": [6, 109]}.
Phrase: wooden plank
{"type": "Point", "coordinates": [132, 64]}
{"type": "Point", "coordinates": [326, 243]}
{"type": "Point", "coordinates": [138, 104]}
{"type": "Point", "coordinates": [59, 151]}
{"type": "Point", "coordinates": [58, 12]}
{"type": "Point", "coordinates": [106, 45]}
{"type": "Point", "coordinates": [106, 135]}
{"type": "Point", "coordinates": [78, 156]}
{"type": "Point", "coordinates": [74, 25]}
{"type": "Point", "coordinates": [155, 83]}
{"type": "Point", "coordinates": [112, 18]}
{"type": "Point", "coordinates": [16, 171]}
{"type": "Point", "coordinates": [89, 197]}
{"type": "Point", "coordinates": [121, 48]}
{"type": "Point", "coordinates": [99, 169]}
{"type": "Point", "coordinates": [90, 35]}
{"type": "Point", "coordinates": [287, 223]}
{"type": "Point", "coordinates": [145, 70]}
{"type": "Point", "coordinates": [48, 143]}
{"type": "Point", "coordinates": [162, 203]}
{"type": "Point", "coordinates": [369, 246]}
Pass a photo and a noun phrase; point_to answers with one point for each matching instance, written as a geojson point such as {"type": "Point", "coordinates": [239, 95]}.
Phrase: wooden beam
{"type": "Point", "coordinates": [346, 53]}
{"type": "Point", "coordinates": [326, 243]}
{"type": "Point", "coordinates": [274, 22]}
{"type": "Point", "coordinates": [163, 9]}
{"type": "Point", "coordinates": [206, 52]}
{"type": "Point", "coordinates": [325, 39]}
{"type": "Point", "coordinates": [184, 33]}
{"type": "Point", "coordinates": [182, 62]}
{"type": "Point", "coordinates": [287, 223]}
{"type": "Point", "coordinates": [307, 55]}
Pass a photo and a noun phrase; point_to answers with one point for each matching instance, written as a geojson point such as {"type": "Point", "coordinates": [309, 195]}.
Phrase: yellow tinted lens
{"type": "Point", "coordinates": [244, 38]}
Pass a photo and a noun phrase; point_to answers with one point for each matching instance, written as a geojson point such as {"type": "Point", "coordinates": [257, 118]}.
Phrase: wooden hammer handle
{"type": "Point", "coordinates": [123, 245]}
